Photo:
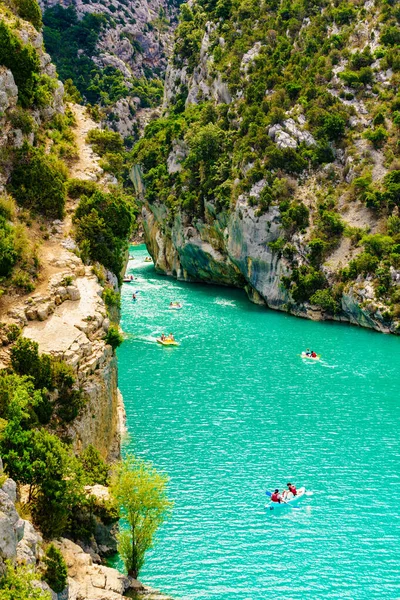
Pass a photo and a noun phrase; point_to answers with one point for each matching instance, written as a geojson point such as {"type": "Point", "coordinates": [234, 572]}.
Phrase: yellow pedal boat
{"type": "Point", "coordinates": [167, 342]}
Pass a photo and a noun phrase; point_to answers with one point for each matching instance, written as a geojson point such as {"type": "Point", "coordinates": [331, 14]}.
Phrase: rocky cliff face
{"type": "Point", "coordinates": [245, 236]}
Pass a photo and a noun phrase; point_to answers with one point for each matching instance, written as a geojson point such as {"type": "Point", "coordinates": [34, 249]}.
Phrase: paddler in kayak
{"type": "Point", "coordinates": [171, 337]}
{"type": "Point", "coordinates": [291, 491]}
{"type": "Point", "coordinates": [276, 497]}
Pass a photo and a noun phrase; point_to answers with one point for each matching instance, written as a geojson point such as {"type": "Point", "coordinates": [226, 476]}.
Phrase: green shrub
{"type": "Point", "coordinates": [70, 399]}
{"type": "Point", "coordinates": [23, 61]}
{"type": "Point", "coordinates": [304, 282]}
{"type": "Point", "coordinates": [19, 583]}
{"type": "Point", "coordinates": [76, 188]}
{"type": "Point", "coordinates": [326, 301]}
{"type": "Point", "coordinates": [8, 251]}
{"type": "Point", "coordinates": [21, 119]}
{"type": "Point", "coordinates": [390, 35]}
{"type": "Point", "coordinates": [378, 244]}
{"type": "Point", "coordinates": [25, 360]}
{"type": "Point", "coordinates": [105, 141]}
{"type": "Point", "coordinates": [363, 264]}
{"type": "Point", "coordinates": [277, 245]}
{"type": "Point", "coordinates": [393, 225]}
{"type": "Point", "coordinates": [30, 11]}
{"type": "Point", "coordinates": [22, 280]}
{"type": "Point", "coordinates": [317, 249]}
{"type": "Point", "coordinates": [111, 298]}
{"type": "Point", "coordinates": [334, 126]}
{"type": "Point", "coordinates": [38, 182]}
{"type": "Point", "coordinates": [295, 215]}
{"type": "Point", "coordinates": [56, 572]}
{"type": "Point", "coordinates": [114, 337]}
{"type": "Point", "coordinates": [377, 136]}
{"type": "Point", "coordinates": [96, 470]}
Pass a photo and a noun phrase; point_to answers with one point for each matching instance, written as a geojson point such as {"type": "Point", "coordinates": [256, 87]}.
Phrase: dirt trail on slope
{"type": "Point", "coordinates": [87, 166]}
{"type": "Point", "coordinates": [54, 251]}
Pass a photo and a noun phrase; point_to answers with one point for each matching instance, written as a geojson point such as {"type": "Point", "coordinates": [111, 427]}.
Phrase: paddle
{"type": "Point", "coordinates": [269, 494]}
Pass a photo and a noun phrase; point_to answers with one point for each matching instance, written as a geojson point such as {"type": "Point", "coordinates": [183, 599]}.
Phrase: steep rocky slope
{"type": "Point", "coordinates": [136, 37]}
{"type": "Point", "coordinates": [115, 53]}
{"type": "Point", "coordinates": [276, 166]}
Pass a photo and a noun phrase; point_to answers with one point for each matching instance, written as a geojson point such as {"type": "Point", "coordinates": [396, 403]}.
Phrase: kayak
{"type": "Point", "coordinates": [167, 342]}
{"type": "Point", "coordinates": [127, 280]}
{"type": "Point", "coordinates": [304, 355]}
{"type": "Point", "coordinates": [290, 502]}
{"type": "Point", "coordinates": [176, 306]}
{"type": "Point", "coordinates": [148, 259]}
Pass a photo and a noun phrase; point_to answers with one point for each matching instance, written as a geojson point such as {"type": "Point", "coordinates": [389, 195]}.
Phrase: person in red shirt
{"type": "Point", "coordinates": [292, 489]}
{"type": "Point", "coordinates": [276, 497]}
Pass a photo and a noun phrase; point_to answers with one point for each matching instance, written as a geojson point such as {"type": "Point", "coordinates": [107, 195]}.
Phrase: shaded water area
{"type": "Point", "coordinates": [234, 411]}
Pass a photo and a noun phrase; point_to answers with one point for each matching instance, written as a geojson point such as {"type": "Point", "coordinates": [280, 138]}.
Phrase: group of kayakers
{"type": "Point", "coordinates": [311, 353]}
{"type": "Point", "coordinates": [285, 495]}
{"type": "Point", "coordinates": [166, 338]}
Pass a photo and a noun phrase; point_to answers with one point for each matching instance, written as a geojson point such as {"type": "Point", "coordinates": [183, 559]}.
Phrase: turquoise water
{"type": "Point", "coordinates": [235, 411]}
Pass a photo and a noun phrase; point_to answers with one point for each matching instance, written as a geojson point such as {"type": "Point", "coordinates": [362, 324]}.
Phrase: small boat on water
{"type": "Point", "coordinates": [309, 356]}
{"type": "Point", "coordinates": [148, 259]}
{"type": "Point", "coordinates": [128, 279]}
{"type": "Point", "coordinates": [167, 342]}
{"type": "Point", "coordinates": [175, 306]}
{"type": "Point", "coordinates": [290, 502]}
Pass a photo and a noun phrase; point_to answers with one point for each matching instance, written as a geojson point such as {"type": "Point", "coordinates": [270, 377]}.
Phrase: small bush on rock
{"type": "Point", "coordinates": [56, 572]}
{"type": "Point", "coordinates": [114, 337]}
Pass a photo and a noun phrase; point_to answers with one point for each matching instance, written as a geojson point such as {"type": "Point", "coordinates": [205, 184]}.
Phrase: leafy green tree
{"type": "Point", "coordinates": [141, 493]}
{"type": "Point", "coordinates": [56, 571]}
{"type": "Point", "coordinates": [18, 584]}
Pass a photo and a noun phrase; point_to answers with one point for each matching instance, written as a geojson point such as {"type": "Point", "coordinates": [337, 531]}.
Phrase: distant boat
{"type": "Point", "coordinates": [309, 357]}
{"type": "Point", "coordinates": [148, 259]}
{"type": "Point", "coordinates": [167, 342]}
{"type": "Point", "coordinates": [128, 279]}
{"type": "Point", "coordinates": [175, 306]}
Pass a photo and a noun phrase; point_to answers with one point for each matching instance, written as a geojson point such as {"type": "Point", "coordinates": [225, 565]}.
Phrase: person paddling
{"type": "Point", "coordinates": [276, 497]}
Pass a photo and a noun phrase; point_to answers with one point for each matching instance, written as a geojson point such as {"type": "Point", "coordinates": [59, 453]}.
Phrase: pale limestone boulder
{"type": "Point", "coordinates": [73, 293]}
{"type": "Point", "coordinates": [29, 548]}
{"type": "Point", "coordinates": [10, 488]}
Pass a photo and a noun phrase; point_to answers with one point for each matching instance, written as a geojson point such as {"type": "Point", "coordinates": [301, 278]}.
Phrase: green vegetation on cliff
{"type": "Point", "coordinates": [286, 105]}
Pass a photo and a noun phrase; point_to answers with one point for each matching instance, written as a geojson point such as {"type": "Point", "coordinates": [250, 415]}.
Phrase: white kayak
{"type": "Point", "coordinates": [309, 357]}
{"type": "Point", "coordinates": [290, 501]}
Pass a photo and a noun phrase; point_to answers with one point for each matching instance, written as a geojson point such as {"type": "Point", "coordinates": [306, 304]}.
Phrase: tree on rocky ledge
{"type": "Point", "coordinates": [141, 493]}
